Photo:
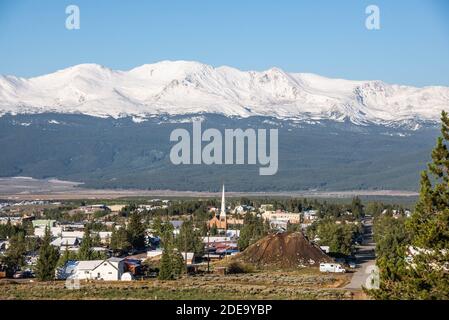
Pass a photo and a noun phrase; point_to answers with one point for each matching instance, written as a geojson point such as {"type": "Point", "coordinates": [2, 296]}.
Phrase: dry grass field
{"type": "Point", "coordinates": [305, 284]}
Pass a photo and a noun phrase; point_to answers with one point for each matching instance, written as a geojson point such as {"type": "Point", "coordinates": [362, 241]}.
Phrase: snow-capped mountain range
{"type": "Point", "coordinates": [184, 88]}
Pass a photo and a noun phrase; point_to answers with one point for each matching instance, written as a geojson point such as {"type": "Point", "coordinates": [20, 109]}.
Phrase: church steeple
{"type": "Point", "coordinates": [223, 205]}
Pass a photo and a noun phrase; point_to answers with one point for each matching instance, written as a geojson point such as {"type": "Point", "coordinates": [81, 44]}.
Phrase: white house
{"type": "Point", "coordinates": [72, 234]}
{"type": "Point", "coordinates": [105, 236]}
{"type": "Point", "coordinates": [54, 231]}
{"type": "Point", "coordinates": [290, 217]}
{"type": "Point", "coordinates": [109, 270]}
{"type": "Point", "coordinates": [233, 233]}
{"type": "Point", "coordinates": [310, 215]}
{"type": "Point", "coordinates": [62, 242]}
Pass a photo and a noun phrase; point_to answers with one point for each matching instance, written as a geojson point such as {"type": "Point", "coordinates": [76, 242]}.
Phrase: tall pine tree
{"type": "Point", "coordinates": [85, 251]}
{"type": "Point", "coordinates": [136, 231]}
{"type": "Point", "coordinates": [48, 259]}
{"type": "Point", "coordinates": [426, 273]}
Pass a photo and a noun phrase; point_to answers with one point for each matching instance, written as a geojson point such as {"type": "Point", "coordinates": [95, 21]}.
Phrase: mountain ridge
{"type": "Point", "coordinates": [188, 87]}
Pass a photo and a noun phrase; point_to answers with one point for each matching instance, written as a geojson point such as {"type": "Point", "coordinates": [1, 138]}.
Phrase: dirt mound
{"type": "Point", "coordinates": [284, 250]}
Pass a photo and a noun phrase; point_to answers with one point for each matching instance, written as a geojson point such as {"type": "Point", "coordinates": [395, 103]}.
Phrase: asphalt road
{"type": "Point", "coordinates": [365, 257]}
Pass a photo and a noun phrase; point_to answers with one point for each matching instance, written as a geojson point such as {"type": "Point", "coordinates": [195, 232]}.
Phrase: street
{"type": "Point", "coordinates": [365, 257]}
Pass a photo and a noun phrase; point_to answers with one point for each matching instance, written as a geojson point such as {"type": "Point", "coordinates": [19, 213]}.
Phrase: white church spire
{"type": "Point", "coordinates": [223, 205]}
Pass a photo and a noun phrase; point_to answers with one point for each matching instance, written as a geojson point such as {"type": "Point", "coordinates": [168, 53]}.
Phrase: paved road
{"type": "Point", "coordinates": [365, 257]}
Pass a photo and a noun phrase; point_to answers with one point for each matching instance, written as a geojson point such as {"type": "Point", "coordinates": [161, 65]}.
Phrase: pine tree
{"type": "Point", "coordinates": [119, 241]}
{"type": "Point", "coordinates": [425, 275]}
{"type": "Point", "coordinates": [66, 256]}
{"type": "Point", "coordinates": [178, 264]}
{"type": "Point", "coordinates": [166, 268]}
{"type": "Point", "coordinates": [189, 239]}
{"type": "Point", "coordinates": [166, 264]}
{"type": "Point", "coordinates": [429, 226]}
{"type": "Point", "coordinates": [85, 252]}
{"type": "Point", "coordinates": [14, 257]}
{"type": "Point", "coordinates": [157, 226]}
{"type": "Point", "coordinates": [48, 259]}
{"type": "Point", "coordinates": [357, 207]}
{"type": "Point", "coordinates": [136, 231]}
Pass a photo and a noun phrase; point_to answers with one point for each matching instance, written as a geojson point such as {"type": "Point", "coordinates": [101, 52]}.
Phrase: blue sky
{"type": "Point", "coordinates": [323, 37]}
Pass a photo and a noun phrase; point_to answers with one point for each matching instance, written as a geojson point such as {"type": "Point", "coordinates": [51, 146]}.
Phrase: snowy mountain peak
{"type": "Point", "coordinates": [189, 87]}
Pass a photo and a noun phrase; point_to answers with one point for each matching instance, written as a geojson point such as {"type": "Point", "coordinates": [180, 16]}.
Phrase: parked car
{"type": "Point", "coordinates": [23, 275]}
{"type": "Point", "coordinates": [352, 264]}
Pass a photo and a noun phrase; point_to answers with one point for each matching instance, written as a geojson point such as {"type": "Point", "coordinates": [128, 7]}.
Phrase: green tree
{"type": "Point", "coordinates": [136, 231]}
{"type": "Point", "coordinates": [166, 266]}
{"type": "Point", "coordinates": [423, 275]}
{"type": "Point", "coordinates": [48, 259]}
{"type": "Point", "coordinates": [254, 228]}
{"type": "Point", "coordinates": [391, 237]}
{"type": "Point", "coordinates": [85, 251]}
{"type": "Point", "coordinates": [178, 264]}
{"type": "Point", "coordinates": [157, 226]}
{"type": "Point", "coordinates": [357, 207]}
{"type": "Point", "coordinates": [189, 239]}
{"type": "Point", "coordinates": [339, 237]}
{"type": "Point", "coordinates": [66, 256]}
{"type": "Point", "coordinates": [119, 241]}
{"type": "Point", "coordinates": [14, 257]}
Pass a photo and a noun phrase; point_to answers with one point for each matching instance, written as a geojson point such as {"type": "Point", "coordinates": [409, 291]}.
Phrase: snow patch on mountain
{"type": "Point", "coordinates": [185, 88]}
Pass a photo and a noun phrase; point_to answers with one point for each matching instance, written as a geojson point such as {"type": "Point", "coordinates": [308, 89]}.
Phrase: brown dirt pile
{"type": "Point", "coordinates": [284, 250]}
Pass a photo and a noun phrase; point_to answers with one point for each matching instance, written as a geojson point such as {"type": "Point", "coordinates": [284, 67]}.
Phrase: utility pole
{"type": "Point", "coordinates": [185, 254]}
{"type": "Point", "coordinates": [207, 248]}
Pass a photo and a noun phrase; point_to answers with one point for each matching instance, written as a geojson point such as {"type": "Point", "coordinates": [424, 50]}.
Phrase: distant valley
{"type": "Point", "coordinates": [110, 153]}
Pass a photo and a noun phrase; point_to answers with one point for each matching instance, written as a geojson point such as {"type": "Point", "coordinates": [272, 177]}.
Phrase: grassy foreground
{"type": "Point", "coordinates": [263, 285]}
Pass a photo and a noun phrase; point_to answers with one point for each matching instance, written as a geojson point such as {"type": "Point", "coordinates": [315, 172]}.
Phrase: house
{"type": "Point", "coordinates": [40, 223]}
{"type": "Point", "coordinates": [290, 217]}
{"type": "Point", "coordinates": [279, 224]}
{"type": "Point", "coordinates": [65, 242]}
{"type": "Point", "coordinates": [266, 207]}
{"type": "Point", "coordinates": [235, 234]}
{"type": "Point", "coordinates": [54, 231]}
{"type": "Point", "coordinates": [14, 221]}
{"type": "Point", "coordinates": [243, 209]}
{"type": "Point", "coordinates": [110, 269]}
{"type": "Point", "coordinates": [116, 207]}
{"type": "Point", "coordinates": [72, 234]}
{"type": "Point", "coordinates": [105, 236]}
{"type": "Point", "coordinates": [217, 222]}
{"type": "Point", "coordinates": [310, 215]}
{"type": "Point", "coordinates": [189, 256]}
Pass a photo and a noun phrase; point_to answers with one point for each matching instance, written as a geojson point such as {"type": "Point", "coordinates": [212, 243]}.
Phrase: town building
{"type": "Point", "coordinates": [110, 269]}
{"type": "Point", "coordinates": [220, 221]}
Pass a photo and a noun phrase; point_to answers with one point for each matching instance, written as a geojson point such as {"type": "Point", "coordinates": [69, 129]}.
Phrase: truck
{"type": "Point", "coordinates": [332, 267]}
